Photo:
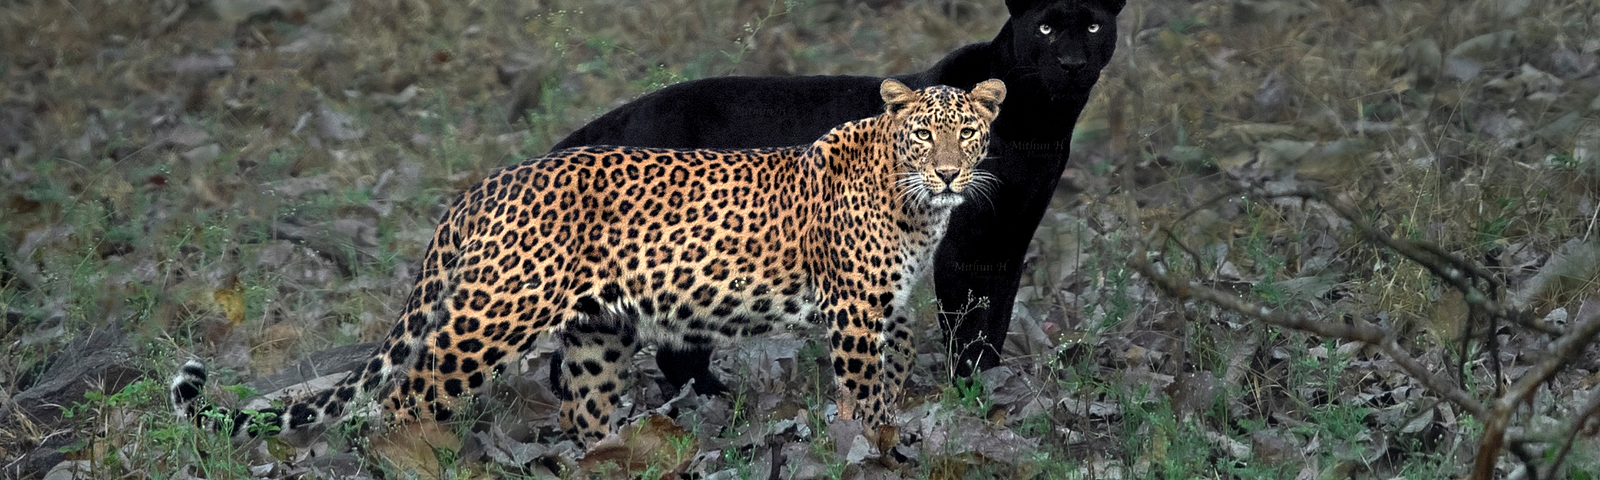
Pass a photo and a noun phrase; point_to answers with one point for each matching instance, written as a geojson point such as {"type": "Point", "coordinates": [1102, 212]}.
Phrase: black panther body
{"type": "Point", "coordinates": [1049, 53]}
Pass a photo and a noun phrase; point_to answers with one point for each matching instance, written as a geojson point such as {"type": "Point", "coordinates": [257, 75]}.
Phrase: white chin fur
{"type": "Point", "coordinates": [947, 200]}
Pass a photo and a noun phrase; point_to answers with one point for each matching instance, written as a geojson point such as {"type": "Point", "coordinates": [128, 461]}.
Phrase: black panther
{"type": "Point", "coordinates": [1049, 53]}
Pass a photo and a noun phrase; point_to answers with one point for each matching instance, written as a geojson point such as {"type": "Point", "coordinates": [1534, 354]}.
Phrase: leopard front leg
{"type": "Point", "coordinates": [900, 353]}
{"type": "Point", "coordinates": [593, 364]}
{"type": "Point", "coordinates": [856, 334]}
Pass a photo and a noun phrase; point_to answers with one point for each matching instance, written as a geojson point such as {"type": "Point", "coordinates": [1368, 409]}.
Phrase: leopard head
{"type": "Point", "coordinates": [940, 134]}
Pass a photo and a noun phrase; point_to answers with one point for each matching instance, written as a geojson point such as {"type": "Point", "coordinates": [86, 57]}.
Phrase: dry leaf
{"type": "Point", "coordinates": [415, 447]}
{"type": "Point", "coordinates": [504, 450]}
{"type": "Point", "coordinates": [230, 301]}
{"type": "Point", "coordinates": [652, 444]}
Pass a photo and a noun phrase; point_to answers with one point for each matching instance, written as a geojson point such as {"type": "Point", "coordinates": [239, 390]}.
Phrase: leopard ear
{"type": "Point", "coordinates": [895, 95]}
{"type": "Point", "coordinates": [990, 93]}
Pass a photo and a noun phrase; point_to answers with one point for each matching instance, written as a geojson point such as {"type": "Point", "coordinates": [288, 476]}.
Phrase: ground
{"type": "Point", "coordinates": [253, 181]}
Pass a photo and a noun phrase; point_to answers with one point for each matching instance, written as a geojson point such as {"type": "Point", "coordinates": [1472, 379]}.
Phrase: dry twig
{"type": "Point", "coordinates": [1482, 290]}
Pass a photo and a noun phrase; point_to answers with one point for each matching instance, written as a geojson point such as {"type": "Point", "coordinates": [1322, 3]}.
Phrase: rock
{"type": "Point", "coordinates": [1469, 57]}
{"type": "Point", "coordinates": [1273, 447]}
{"type": "Point", "coordinates": [235, 11]}
{"type": "Point", "coordinates": [45, 458]}
{"type": "Point", "coordinates": [103, 358]}
{"type": "Point", "coordinates": [71, 470]}
{"type": "Point", "coordinates": [339, 465]}
{"type": "Point", "coordinates": [326, 362]}
{"type": "Point", "coordinates": [336, 125]}
{"type": "Point", "coordinates": [203, 154]}
{"type": "Point", "coordinates": [202, 65]}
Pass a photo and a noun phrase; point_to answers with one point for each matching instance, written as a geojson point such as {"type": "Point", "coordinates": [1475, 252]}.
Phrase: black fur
{"type": "Point", "coordinates": [1048, 78]}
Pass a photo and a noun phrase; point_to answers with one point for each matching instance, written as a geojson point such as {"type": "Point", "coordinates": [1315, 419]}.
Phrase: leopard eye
{"type": "Point", "coordinates": [967, 133]}
{"type": "Point", "coordinates": [923, 135]}
{"type": "Point", "coordinates": [1045, 29]}
{"type": "Point", "coordinates": [1094, 27]}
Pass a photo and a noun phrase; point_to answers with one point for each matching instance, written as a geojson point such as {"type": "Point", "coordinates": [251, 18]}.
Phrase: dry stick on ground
{"type": "Point", "coordinates": [1355, 330]}
{"type": "Point", "coordinates": [1590, 411]}
{"type": "Point", "coordinates": [1449, 267]}
{"type": "Point", "coordinates": [1457, 271]}
{"type": "Point", "coordinates": [1562, 351]}
{"type": "Point", "coordinates": [1446, 266]}
{"type": "Point", "coordinates": [1441, 263]}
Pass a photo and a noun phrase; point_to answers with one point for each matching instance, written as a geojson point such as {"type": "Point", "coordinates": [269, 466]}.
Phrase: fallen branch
{"type": "Point", "coordinates": [1562, 351]}
{"type": "Point", "coordinates": [1479, 287]}
{"type": "Point", "coordinates": [1456, 271]}
{"type": "Point", "coordinates": [1590, 411]}
{"type": "Point", "coordinates": [1355, 330]}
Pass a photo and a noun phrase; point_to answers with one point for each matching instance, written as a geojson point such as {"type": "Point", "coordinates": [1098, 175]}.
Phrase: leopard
{"type": "Point", "coordinates": [610, 247]}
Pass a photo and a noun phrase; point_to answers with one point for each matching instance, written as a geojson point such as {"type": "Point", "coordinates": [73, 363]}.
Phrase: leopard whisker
{"type": "Point", "coordinates": [909, 182]}
{"type": "Point", "coordinates": [909, 186]}
{"type": "Point", "coordinates": [984, 177]}
{"type": "Point", "coordinates": [983, 185]}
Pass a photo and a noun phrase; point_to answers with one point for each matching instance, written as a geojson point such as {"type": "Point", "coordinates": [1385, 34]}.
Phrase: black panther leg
{"type": "Point", "coordinates": [981, 257]}
{"type": "Point", "coordinates": [975, 292]}
{"type": "Point", "coordinates": [691, 362]}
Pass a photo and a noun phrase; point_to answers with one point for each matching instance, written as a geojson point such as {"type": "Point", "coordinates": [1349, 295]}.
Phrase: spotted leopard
{"type": "Point", "coordinates": [608, 247]}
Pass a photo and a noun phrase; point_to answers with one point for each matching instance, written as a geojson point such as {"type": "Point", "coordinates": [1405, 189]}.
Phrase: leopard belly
{"type": "Point", "coordinates": [596, 348]}
{"type": "Point", "coordinates": [736, 314]}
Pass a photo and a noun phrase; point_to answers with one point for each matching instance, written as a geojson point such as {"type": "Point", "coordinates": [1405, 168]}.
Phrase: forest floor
{"type": "Point", "coordinates": [253, 182]}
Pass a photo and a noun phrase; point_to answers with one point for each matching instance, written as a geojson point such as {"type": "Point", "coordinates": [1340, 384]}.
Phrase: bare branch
{"type": "Point", "coordinates": [1562, 351]}
{"type": "Point", "coordinates": [1456, 271]}
{"type": "Point", "coordinates": [1356, 330]}
{"type": "Point", "coordinates": [1589, 411]}
{"type": "Point", "coordinates": [1445, 265]}
{"type": "Point", "coordinates": [1465, 276]}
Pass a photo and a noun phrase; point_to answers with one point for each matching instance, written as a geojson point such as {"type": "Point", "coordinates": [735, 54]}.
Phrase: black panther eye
{"type": "Point", "coordinates": [1045, 29]}
{"type": "Point", "coordinates": [923, 135]}
{"type": "Point", "coordinates": [1094, 27]}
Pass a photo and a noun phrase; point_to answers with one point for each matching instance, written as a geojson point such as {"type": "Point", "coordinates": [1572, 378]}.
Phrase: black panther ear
{"type": "Point", "coordinates": [1017, 7]}
{"type": "Point", "coordinates": [895, 95]}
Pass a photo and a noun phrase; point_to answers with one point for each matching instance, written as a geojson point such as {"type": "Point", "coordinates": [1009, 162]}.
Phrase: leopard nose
{"type": "Point", "coordinates": [947, 174]}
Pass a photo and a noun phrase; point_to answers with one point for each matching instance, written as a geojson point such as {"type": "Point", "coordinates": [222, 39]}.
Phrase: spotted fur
{"type": "Point", "coordinates": [610, 246]}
